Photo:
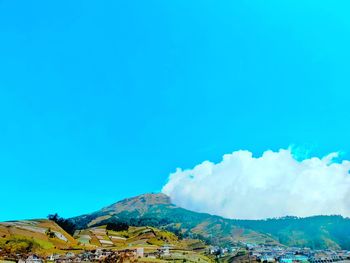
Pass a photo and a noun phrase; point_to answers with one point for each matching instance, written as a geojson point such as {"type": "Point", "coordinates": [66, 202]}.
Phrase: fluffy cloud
{"type": "Point", "coordinates": [273, 185]}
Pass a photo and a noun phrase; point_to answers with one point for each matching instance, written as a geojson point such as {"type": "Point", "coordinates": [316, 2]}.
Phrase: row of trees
{"type": "Point", "coordinates": [117, 226]}
{"type": "Point", "coordinates": [66, 224]}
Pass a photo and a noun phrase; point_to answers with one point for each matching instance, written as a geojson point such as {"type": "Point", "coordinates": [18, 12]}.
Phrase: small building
{"type": "Point", "coordinates": [165, 250]}
{"type": "Point", "coordinates": [140, 252]}
{"type": "Point", "coordinates": [70, 255]}
{"type": "Point", "coordinates": [33, 259]}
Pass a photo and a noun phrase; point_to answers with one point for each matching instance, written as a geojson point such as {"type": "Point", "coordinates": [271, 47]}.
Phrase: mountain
{"type": "Point", "coordinates": [158, 211]}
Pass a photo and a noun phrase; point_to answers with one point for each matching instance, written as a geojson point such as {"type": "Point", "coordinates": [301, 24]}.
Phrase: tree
{"type": "Point", "coordinates": [66, 224]}
{"type": "Point", "coordinates": [50, 233]}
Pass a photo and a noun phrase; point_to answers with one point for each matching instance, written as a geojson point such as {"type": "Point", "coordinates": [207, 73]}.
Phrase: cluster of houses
{"type": "Point", "coordinates": [281, 254]}
{"type": "Point", "coordinates": [221, 251]}
{"type": "Point", "coordinates": [98, 255]}
{"type": "Point", "coordinates": [270, 254]}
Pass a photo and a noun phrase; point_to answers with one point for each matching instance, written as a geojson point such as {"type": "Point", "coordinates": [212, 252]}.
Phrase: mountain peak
{"type": "Point", "coordinates": [140, 203]}
{"type": "Point", "coordinates": [149, 199]}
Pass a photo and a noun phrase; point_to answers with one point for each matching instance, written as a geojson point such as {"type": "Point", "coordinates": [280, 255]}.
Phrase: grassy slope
{"type": "Point", "coordinates": [149, 237]}
{"type": "Point", "coordinates": [17, 235]}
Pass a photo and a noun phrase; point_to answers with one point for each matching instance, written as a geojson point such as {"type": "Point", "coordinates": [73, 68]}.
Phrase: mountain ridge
{"type": "Point", "coordinates": [156, 209]}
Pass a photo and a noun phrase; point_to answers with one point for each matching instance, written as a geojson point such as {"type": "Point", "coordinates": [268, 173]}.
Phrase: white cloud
{"type": "Point", "coordinates": [273, 185]}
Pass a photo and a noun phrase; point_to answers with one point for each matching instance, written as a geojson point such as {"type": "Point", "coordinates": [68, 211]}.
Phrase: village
{"type": "Point", "coordinates": [139, 254]}
{"type": "Point", "coordinates": [97, 255]}
{"type": "Point", "coordinates": [281, 254]}
{"type": "Point", "coordinates": [243, 252]}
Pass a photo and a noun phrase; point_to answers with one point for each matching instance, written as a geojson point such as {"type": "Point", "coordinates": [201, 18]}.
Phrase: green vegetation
{"type": "Point", "coordinates": [314, 232]}
{"type": "Point", "coordinates": [42, 236]}
{"type": "Point", "coordinates": [16, 245]}
{"type": "Point", "coordinates": [117, 226]}
{"type": "Point", "coordinates": [50, 233]}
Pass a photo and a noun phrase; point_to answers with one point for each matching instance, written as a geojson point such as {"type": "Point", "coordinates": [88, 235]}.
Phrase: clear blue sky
{"type": "Point", "coordinates": [101, 100]}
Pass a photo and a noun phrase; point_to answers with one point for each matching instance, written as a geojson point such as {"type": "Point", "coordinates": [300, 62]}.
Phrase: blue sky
{"type": "Point", "coordinates": [102, 100]}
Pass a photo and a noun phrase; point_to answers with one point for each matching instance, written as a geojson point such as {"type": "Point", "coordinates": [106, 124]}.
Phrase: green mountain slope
{"type": "Point", "coordinates": [157, 210]}
{"type": "Point", "coordinates": [315, 232]}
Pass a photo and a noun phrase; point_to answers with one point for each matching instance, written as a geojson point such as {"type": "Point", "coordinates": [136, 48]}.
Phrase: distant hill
{"type": "Point", "coordinates": [315, 232]}
{"type": "Point", "coordinates": [157, 210]}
